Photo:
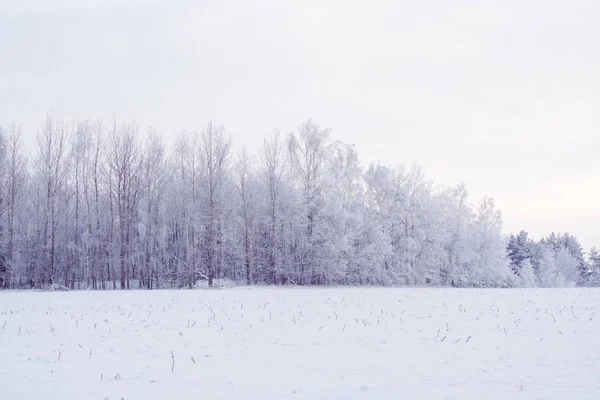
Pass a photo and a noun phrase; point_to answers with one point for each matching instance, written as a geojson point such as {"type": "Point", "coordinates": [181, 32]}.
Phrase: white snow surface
{"type": "Point", "coordinates": [296, 343]}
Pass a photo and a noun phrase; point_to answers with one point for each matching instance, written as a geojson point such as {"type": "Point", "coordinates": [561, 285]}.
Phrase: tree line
{"type": "Point", "coordinates": [98, 206]}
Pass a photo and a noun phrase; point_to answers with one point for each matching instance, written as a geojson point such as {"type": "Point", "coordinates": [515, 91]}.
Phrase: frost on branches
{"type": "Point", "coordinates": [99, 206]}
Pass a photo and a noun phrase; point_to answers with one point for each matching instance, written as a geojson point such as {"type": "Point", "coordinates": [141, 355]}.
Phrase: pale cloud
{"type": "Point", "coordinates": [500, 95]}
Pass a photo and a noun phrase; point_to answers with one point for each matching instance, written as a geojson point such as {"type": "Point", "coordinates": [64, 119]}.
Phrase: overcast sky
{"type": "Point", "coordinates": [502, 95]}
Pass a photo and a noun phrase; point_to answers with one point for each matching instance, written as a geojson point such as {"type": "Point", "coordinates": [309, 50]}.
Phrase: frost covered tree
{"type": "Point", "coordinates": [460, 243]}
{"type": "Point", "coordinates": [492, 267]}
{"type": "Point", "coordinates": [557, 260]}
{"type": "Point", "coordinates": [571, 245]}
{"type": "Point", "coordinates": [569, 255]}
{"type": "Point", "coordinates": [152, 224]}
{"type": "Point", "coordinates": [246, 186]}
{"type": "Point", "coordinates": [558, 268]}
{"type": "Point", "coordinates": [99, 207]}
{"type": "Point", "coordinates": [124, 165]}
{"type": "Point", "coordinates": [52, 174]}
{"type": "Point", "coordinates": [184, 209]}
{"type": "Point", "coordinates": [215, 148]}
{"type": "Point", "coordinates": [594, 267]}
{"type": "Point", "coordinates": [520, 248]}
{"type": "Point", "coordinates": [549, 274]}
{"type": "Point", "coordinates": [3, 253]}
{"type": "Point", "coordinates": [82, 218]}
{"type": "Point", "coordinates": [307, 159]}
{"type": "Point", "coordinates": [527, 274]}
{"type": "Point", "coordinates": [274, 166]}
{"type": "Point", "coordinates": [386, 199]}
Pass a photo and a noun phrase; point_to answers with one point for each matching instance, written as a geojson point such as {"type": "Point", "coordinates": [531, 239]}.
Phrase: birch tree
{"type": "Point", "coordinates": [152, 224]}
{"type": "Point", "coordinates": [124, 164]}
{"type": "Point", "coordinates": [273, 159]}
{"type": "Point", "coordinates": [95, 206]}
{"type": "Point", "coordinates": [215, 147]}
{"type": "Point", "coordinates": [52, 170]}
{"type": "Point", "coordinates": [307, 156]}
{"type": "Point", "coordinates": [3, 256]}
{"type": "Point", "coordinates": [246, 186]}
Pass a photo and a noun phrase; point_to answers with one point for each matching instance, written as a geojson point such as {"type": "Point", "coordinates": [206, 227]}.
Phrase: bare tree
{"type": "Point", "coordinates": [85, 250]}
{"type": "Point", "coordinates": [124, 165]}
{"type": "Point", "coordinates": [180, 203]}
{"type": "Point", "coordinates": [307, 156]}
{"type": "Point", "coordinates": [100, 209]}
{"type": "Point", "coordinates": [3, 168]}
{"type": "Point", "coordinates": [215, 147]}
{"type": "Point", "coordinates": [274, 163]}
{"type": "Point", "coordinates": [99, 245]}
{"type": "Point", "coordinates": [153, 179]}
{"type": "Point", "coordinates": [244, 174]}
{"type": "Point", "coordinates": [52, 169]}
{"type": "Point", "coordinates": [16, 179]}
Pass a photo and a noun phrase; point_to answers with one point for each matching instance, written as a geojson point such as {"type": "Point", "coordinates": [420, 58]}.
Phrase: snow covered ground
{"type": "Point", "coordinates": [273, 343]}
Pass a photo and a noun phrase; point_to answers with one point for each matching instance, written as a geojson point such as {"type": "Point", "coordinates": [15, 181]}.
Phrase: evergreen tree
{"type": "Point", "coordinates": [519, 249]}
{"type": "Point", "coordinates": [594, 267]}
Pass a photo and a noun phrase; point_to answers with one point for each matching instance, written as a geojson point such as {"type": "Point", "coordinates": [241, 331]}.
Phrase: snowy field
{"type": "Point", "coordinates": [268, 343]}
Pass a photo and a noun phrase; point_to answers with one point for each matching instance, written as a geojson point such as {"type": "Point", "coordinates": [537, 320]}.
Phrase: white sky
{"type": "Point", "coordinates": [503, 95]}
